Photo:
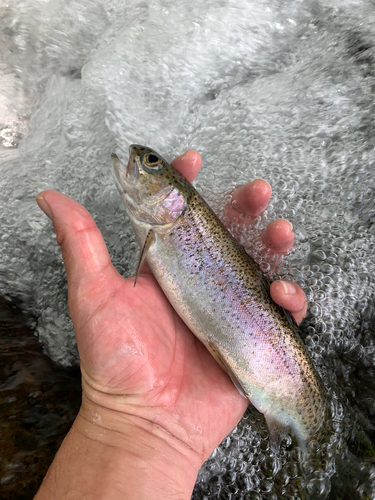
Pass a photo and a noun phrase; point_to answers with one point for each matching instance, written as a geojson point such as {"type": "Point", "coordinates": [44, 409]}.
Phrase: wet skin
{"type": "Point", "coordinates": [141, 366]}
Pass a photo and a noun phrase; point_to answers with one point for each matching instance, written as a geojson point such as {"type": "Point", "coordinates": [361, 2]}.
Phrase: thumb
{"type": "Point", "coordinates": [91, 275]}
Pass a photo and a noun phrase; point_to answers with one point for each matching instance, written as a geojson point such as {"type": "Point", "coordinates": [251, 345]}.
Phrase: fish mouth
{"type": "Point", "coordinates": [127, 175]}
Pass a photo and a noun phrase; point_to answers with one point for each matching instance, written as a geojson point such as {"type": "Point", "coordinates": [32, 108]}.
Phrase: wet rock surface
{"type": "Point", "coordinates": [38, 403]}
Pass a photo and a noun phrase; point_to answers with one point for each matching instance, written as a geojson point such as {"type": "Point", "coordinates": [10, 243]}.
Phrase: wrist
{"type": "Point", "coordinates": [108, 454]}
{"type": "Point", "coordinates": [166, 463]}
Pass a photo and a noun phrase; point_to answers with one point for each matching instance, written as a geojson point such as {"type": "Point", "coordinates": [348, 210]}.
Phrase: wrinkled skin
{"type": "Point", "coordinates": [137, 356]}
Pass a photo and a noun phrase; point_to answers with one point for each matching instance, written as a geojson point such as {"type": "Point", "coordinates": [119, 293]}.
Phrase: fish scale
{"type": "Point", "coordinates": [222, 296]}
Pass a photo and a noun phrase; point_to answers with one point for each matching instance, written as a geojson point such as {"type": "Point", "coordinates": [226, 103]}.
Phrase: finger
{"type": "Point", "coordinates": [85, 254]}
{"type": "Point", "coordinates": [279, 236]}
{"type": "Point", "coordinates": [188, 164]}
{"type": "Point", "coordinates": [250, 200]}
{"type": "Point", "coordinates": [290, 296]}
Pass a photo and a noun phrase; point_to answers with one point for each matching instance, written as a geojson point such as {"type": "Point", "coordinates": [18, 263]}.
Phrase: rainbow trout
{"type": "Point", "coordinates": [221, 294]}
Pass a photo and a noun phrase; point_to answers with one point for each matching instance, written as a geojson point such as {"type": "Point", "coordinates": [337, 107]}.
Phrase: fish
{"type": "Point", "coordinates": [221, 295]}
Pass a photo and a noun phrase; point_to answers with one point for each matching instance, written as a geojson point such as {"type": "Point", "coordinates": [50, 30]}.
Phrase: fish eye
{"type": "Point", "coordinates": [151, 161]}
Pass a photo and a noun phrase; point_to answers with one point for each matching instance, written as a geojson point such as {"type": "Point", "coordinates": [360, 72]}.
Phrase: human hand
{"type": "Point", "coordinates": [148, 383]}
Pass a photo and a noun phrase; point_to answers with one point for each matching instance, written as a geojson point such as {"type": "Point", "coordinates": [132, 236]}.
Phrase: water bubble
{"type": "Point", "coordinates": [259, 95]}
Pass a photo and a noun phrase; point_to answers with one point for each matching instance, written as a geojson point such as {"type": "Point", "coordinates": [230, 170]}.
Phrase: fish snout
{"type": "Point", "coordinates": [126, 174]}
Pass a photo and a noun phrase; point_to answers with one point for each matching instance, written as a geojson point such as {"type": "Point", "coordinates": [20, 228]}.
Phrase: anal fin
{"type": "Point", "coordinates": [149, 239]}
{"type": "Point", "coordinates": [221, 361]}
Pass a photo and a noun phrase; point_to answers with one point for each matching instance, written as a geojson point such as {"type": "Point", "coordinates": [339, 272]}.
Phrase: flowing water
{"type": "Point", "coordinates": [278, 90]}
{"type": "Point", "coordinates": [38, 402]}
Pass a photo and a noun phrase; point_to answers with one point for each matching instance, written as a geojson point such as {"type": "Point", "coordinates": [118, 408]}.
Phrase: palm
{"type": "Point", "coordinates": [135, 346]}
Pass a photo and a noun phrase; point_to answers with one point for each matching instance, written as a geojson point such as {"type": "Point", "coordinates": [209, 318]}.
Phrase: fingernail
{"type": "Point", "coordinates": [289, 287]}
{"type": "Point", "coordinates": [43, 205]}
{"type": "Point", "coordinates": [263, 187]}
{"type": "Point", "coordinates": [182, 157]}
{"type": "Point", "coordinates": [290, 224]}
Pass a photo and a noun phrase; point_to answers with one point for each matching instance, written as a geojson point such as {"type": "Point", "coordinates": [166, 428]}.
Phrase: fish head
{"type": "Point", "coordinates": [153, 191]}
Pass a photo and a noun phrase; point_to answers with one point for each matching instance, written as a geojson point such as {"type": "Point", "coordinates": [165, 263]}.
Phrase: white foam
{"type": "Point", "coordinates": [265, 89]}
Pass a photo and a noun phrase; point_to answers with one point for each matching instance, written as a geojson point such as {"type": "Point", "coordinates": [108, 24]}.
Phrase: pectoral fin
{"type": "Point", "coordinates": [218, 357]}
{"type": "Point", "coordinates": [149, 239]}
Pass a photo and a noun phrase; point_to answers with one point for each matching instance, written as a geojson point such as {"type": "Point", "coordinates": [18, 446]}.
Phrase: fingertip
{"type": "Point", "coordinates": [279, 235]}
{"type": "Point", "coordinates": [188, 164]}
{"type": "Point", "coordinates": [252, 198]}
{"type": "Point", "coordinates": [249, 200]}
{"type": "Point", "coordinates": [262, 188]}
{"type": "Point", "coordinates": [291, 297]}
{"type": "Point", "coordinates": [43, 205]}
{"type": "Point", "coordinates": [83, 247]}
